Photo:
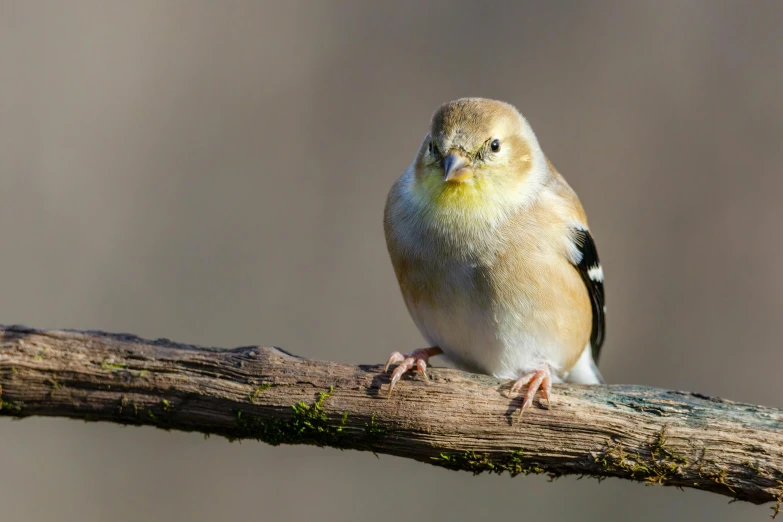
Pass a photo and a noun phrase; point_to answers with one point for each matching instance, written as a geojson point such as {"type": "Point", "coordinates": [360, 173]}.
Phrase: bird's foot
{"type": "Point", "coordinates": [538, 379]}
{"type": "Point", "coordinates": [418, 358]}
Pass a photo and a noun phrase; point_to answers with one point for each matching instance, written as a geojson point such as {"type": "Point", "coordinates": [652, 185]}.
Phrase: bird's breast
{"type": "Point", "coordinates": [497, 311]}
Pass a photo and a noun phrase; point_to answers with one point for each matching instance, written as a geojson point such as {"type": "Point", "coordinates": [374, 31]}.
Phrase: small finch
{"type": "Point", "coordinates": [493, 254]}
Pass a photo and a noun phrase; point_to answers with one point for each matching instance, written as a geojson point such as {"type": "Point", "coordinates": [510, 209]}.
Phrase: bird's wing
{"type": "Point", "coordinates": [589, 268]}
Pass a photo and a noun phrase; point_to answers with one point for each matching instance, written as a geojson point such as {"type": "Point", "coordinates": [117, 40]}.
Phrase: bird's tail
{"type": "Point", "coordinates": [585, 370]}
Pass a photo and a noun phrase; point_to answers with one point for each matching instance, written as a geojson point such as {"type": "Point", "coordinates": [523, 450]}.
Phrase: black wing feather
{"type": "Point", "coordinates": [595, 287]}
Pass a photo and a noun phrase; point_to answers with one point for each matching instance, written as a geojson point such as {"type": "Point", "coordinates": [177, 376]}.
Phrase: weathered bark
{"type": "Point", "coordinates": [456, 420]}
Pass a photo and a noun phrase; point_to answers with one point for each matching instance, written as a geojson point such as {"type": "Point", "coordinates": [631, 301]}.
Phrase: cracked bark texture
{"type": "Point", "coordinates": [456, 420]}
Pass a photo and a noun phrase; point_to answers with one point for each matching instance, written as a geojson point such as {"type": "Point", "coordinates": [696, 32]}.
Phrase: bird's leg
{"type": "Point", "coordinates": [417, 358]}
{"type": "Point", "coordinates": [540, 378]}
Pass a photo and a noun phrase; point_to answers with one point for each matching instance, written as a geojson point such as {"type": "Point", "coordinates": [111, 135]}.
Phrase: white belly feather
{"type": "Point", "coordinates": [490, 339]}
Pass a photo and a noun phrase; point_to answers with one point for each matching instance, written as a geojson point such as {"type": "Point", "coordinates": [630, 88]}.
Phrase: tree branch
{"type": "Point", "coordinates": [456, 420]}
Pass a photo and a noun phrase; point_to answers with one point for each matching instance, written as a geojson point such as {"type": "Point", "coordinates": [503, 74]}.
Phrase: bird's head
{"type": "Point", "coordinates": [478, 152]}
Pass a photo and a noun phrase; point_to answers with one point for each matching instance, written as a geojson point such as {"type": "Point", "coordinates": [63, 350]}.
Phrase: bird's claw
{"type": "Point", "coordinates": [395, 357]}
{"type": "Point", "coordinates": [540, 378]}
{"type": "Point", "coordinates": [418, 358]}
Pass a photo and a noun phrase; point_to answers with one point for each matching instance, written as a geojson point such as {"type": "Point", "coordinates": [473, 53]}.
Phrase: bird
{"type": "Point", "coordinates": [493, 255]}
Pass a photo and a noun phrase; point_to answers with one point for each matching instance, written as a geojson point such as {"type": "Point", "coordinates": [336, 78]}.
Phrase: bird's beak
{"type": "Point", "coordinates": [454, 166]}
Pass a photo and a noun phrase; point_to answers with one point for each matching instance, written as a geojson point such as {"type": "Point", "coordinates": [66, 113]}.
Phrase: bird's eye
{"type": "Point", "coordinates": [495, 145]}
{"type": "Point", "coordinates": [433, 149]}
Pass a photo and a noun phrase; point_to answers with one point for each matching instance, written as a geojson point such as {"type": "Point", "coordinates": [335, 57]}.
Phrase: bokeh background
{"type": "Point", "coordinates": [215, 173]}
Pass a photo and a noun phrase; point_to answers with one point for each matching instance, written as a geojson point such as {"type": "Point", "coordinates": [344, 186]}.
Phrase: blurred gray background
{"type": "Point", "coordinates": [215, 173]}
